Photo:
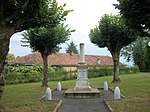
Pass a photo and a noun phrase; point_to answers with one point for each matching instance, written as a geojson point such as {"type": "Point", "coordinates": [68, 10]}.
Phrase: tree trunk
{"type": "Point", "coordinates": [45, 70]}
{"type": "Point", "coordinates": [115, 56]}
{"type": "Point", "coordinates": [5, 35]}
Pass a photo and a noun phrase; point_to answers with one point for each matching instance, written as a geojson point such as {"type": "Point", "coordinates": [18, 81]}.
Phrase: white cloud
{"type": "Point", "coordinates": [15, 45]}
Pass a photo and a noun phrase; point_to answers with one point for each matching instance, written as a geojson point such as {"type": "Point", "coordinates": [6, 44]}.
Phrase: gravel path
{"type": "Point", "coordinates": [83, 105]}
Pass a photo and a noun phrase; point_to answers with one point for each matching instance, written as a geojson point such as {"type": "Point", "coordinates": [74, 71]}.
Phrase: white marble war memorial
{"type": "Point", "coordinates": [82, 87]}
{"type": "Point", "coordinates": [82, 82]}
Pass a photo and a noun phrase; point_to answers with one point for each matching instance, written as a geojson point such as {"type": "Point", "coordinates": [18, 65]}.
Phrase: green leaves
{"type": "Point", "coordinates": [112, 33]}
{"type": "Point", "coordinates": [26, 14]}
{"type": "Point", "coordinates": [136, 14]}
{"type": "Point", "coordinates": [53, 32]}
{"type": "Point", "coordinates": [95, 37]}
{"type": "Point", "coordinates": [139, 53]}
{"type": "Point", "coordinates": [72, 48]}
{"type": "Point", "coordinates": [57, 13]}
{"type": "Point", "coordinates": [41, 39]}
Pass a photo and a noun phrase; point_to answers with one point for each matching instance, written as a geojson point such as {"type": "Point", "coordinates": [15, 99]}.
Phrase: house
{"type": "Point", "coordinates": [69, 61]}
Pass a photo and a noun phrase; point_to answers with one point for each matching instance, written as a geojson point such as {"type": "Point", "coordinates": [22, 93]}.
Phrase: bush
{"type": "Point", "coordinates": [129, 70]}
{"type": "Point", "coordinates": [22, 77]}
{"type": "Point", "coordinates": [107, 71]}
{"type": "Point", "coordinates": [60, 74]}
{"type": "Point", "coordinates": [21, 73]}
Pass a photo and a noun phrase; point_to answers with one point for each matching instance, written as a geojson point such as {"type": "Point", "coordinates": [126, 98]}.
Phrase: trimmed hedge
{"type": "Point", "coordinates": [107, 71]}
{"type": "Point", "coordinates": [22, 74]}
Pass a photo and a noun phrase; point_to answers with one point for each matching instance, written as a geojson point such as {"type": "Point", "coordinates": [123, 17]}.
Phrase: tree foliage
{"type": "Point", "coordinates": [113, 34]}
{"type": "Point", "coordinates": [136, 14]}
{"type": "Point", "coordinates": [46, 40]}
{"type": "Point", "coordinates": [147, 58]}
{"type": "Point", "coordinates": [72, 48]}
{"type": "Point", "coordinates": [26, 14]}
{"type": "Point", "coordinates": [139, 53]}
{"type": "Point", "coordinates": [23, 14]}
{"type": "Point", "coordinates": [10, 57]}
{"type": "Point", "coordinates": [19, 15]}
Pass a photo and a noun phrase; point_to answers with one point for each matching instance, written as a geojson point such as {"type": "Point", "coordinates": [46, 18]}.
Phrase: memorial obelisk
{"type": "Point", "coordinates": [82, 87]}
{"type": "Point", "coordinates": [82, 82]}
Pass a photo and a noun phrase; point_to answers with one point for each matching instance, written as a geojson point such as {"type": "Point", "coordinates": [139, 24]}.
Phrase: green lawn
{"type": "Point", "coordinates": [25, 97]}
{"type": "Point", "coordinates": [136, 88]}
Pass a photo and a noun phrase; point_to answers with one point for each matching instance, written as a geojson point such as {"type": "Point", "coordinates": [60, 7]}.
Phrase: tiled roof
{"type": "Point", "coordinates": [63, 59]}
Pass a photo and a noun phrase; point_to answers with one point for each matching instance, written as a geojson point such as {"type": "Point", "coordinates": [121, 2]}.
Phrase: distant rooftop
{"type": "Point", "coordinates": [62, 59]}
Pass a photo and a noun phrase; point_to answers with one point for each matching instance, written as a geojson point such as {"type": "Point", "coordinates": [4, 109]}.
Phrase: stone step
{"type": "Point", "coordinates": [92, 93]}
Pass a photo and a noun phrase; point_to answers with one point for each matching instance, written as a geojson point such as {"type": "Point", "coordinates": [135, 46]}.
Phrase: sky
{"type": "Point", "coordinates": [85, 16]}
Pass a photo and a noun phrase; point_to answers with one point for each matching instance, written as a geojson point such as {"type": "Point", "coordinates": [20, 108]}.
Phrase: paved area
{"type": "Point", "coordinates": [83, 105]}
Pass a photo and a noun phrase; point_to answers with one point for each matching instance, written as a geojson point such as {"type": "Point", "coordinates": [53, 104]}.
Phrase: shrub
{"type": "Point", "coordinates": [21, 73]}
{"type": "Point", "coordinates": [129, 70]}
{"type": "Point", "coordinates": [107, 71]}
{"type": "Point", "coordinates": [60, 74]}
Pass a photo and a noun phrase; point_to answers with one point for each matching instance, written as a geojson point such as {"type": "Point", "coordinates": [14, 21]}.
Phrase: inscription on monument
{"type": "Point", "coordinates": [82, 73]}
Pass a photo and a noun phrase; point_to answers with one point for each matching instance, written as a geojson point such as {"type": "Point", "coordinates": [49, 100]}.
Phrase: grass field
{"type": "Point", "coordinates": [25, 97]}
{"type": "Point", "coordinates": [136, 89]}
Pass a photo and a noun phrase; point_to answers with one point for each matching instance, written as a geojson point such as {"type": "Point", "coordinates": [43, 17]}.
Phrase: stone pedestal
{"type": "Point", "coordinates": [82, 82]}
{"type": "Point", "coordinates": [92, 93]}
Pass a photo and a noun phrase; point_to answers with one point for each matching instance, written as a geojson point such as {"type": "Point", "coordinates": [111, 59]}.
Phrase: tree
{"type": "Point", "coordinates": [137, 52]}
{"type": "Point", "coordinates": [136, 14]}
{"type": "Point", "coordinates": [46, 41]}
{"type": "Point", "coordinates": [10, 57]}
{"type": "Point", "coordinates": [72, 48]}
{"type": "Point", "coordinates": [147, 57]}
{"type": "Point", "coordinates": [16, 16]}
{"type": "Point", "coordinates": [113, 34]}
